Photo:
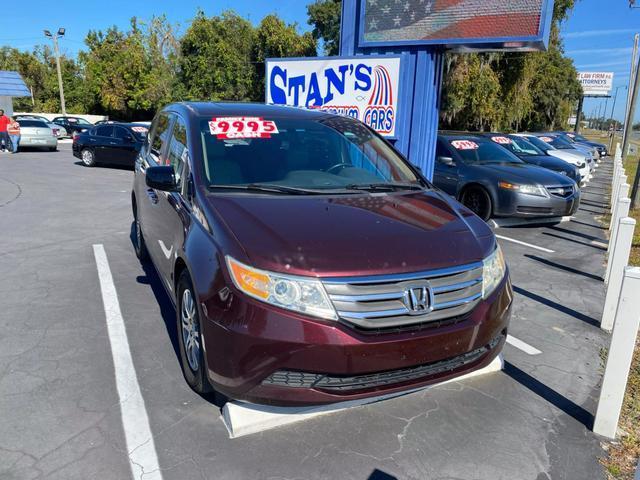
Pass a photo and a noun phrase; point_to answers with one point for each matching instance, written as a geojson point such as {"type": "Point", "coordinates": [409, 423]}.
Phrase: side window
{"type": "Point", "coordinates": [178, 150]}
{"type": "Point", "coordinates": [442, 151]}
{"type": "Point", "coordinates": [104, 131]}
{"type": "Point", "coordinates": [160, 137]}
{"type": "Point", "coordinates": [120, 132]}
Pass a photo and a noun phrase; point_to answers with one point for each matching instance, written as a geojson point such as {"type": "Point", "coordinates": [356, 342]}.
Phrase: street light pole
{"type": "Point", "coordinates": [56, 50]}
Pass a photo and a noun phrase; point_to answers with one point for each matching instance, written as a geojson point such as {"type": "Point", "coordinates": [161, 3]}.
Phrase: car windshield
{"type": "Point", "coordinates": [535, 141]}
{"type": "Point", "coordinates": [80, 121]}
{"type": "Point", "coordinates": [579, 138]}
{"type": "Point", "coordinates": [557, 142]}
{"type": "Point", "coordinates": [483, 152]}
{"type": "Point", "coordinates": [32, 123]}
{"type": "Point", "coordinates": [334, 153]}
{"type": "Point", "coordinates": [524, 147]}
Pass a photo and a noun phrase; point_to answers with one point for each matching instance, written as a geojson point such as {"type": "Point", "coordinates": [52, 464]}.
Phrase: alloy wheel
{"type": "Point", "coordinates": [190, 330]}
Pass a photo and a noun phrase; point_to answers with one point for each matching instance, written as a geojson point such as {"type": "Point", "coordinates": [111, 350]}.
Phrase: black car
{"type": "Point", "coordinates": [73, 124]}
{"type": "Point", "coordinates": [529, 153]}
{"type": "Point", "coordinates": [491, 181]}
{"type": "Point", "coordinates": [116, 144]}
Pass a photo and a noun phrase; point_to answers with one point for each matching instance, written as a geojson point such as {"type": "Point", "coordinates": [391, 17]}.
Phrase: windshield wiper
{"type": "Point", "coordinates": [267, 187]}
{"type": "Point", "coordinates": [368, 187]}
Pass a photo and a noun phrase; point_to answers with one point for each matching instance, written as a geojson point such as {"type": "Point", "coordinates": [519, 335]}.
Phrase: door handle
{"type": "Point", "coordinates": [153, 196]}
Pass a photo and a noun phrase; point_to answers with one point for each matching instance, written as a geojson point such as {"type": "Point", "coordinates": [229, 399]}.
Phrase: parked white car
{"type": "Point", "coordinates": [574, 157]}
{"type": "Point", "coordinates": [58, 130]}
{"type": "Point", "coordinates": [36, 133]}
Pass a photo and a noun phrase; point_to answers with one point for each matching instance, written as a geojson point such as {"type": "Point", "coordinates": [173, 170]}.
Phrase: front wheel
{"type": "Point", "coordinates": [190, 336]}
{"type": "Point", "coordinates": [477, 200]}
{"type": "Point", "coordinates": [88, 158]}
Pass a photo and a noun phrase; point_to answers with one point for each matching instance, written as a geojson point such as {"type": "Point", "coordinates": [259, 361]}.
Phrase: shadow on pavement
{"type": "Point", "coordinates": [586, 236]}
{"type": "Point", "coordinates": [380, 475]}
{"type": "Point", "coordinates": [599, 227]}
{"type": "Point", "coordinates": [597, 247]}
{"type": "Point", "coordinates": [168, 313]}
{"type": "Point", "coordinates": [550, 395]}
{"type": "Point", "coordinates": [564, 267]}
{"type": "Point", "coordinates": [561, 308]}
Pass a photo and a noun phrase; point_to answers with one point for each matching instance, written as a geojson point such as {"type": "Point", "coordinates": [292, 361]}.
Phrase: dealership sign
{"type": "Point", "coordinates": [364, 87]}
{"type": "Point", "coordinates": [596, 84]}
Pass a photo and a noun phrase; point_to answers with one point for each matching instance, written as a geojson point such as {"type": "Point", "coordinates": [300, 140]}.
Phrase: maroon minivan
{"type": "Point", "coordinates": [308, 261]}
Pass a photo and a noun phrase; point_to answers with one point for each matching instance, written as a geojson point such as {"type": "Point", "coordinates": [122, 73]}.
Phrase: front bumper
{"type": "Point", "coordinates": [262, 354]}
{"type": "Point", "coordinates": [515, 204]}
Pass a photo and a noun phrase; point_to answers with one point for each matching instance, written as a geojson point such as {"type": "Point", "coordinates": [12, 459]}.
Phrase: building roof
{"type": "Point", "coordinates": [12, 85]}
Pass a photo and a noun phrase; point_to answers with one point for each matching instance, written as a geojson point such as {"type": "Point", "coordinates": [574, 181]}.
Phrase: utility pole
{"type": "Point", "coordinates": [628, 128]}
{"type": "Point", "coordinates": [632, 79]}
{"type": "Point", "coordinates": [576, 129]}
{"type": "Point", "coordinates": [56, 51]}
{"type": "Point", "coordinates": [615, 99]}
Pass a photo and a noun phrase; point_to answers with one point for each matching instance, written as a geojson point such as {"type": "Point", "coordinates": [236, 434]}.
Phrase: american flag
{"type": "Point", "coordinates": [403, 20]}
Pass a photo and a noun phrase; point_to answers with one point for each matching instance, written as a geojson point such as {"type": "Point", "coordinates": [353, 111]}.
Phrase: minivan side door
{"type": "Point", "coordinates": [167, 227]}
{"type": "Point", "coordinates": [147, 199]}
{"type": "Point", "coordinates": [446, 174]}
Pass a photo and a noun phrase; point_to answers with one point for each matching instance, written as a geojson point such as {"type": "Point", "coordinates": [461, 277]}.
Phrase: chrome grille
{"type": "Point", "coordinates": [561, 191]}
{"type": "Point", "coordinates": [387, 300]}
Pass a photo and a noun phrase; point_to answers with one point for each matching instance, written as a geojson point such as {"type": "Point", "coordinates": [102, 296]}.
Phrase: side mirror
{"type": "Point", "coordinates": [128, 138]}
{"type": "Point", "coordinates": [161, 178]}
{"type": "Point", "coordinates": [448, 161]}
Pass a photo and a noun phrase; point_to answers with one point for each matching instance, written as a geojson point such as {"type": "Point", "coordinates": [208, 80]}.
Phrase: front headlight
{"type": "Point", "coordinates": [493, 271]}
{"type": "Point", "coordinates": [300, 294]}
{"type": "Point", "coordinates": [536, 190]}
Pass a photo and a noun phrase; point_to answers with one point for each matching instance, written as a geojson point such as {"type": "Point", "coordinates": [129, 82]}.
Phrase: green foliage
{"type": "Point", "coordinates": [129, 74]}
{"type": "Point", "coordinates": [216, 61]}
{"type": "Point", "coordinates": [324, 16]}
{"type": "Point", "coordinates": [512, 91]}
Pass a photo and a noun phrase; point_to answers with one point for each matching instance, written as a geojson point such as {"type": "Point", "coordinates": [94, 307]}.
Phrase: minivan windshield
{"type": "Point", "coordinates": [333, 153]}
{"type": "Point", "coordinates": [482, 152]}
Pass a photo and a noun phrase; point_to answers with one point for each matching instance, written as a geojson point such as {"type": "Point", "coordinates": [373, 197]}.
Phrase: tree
{"type": "Point", "coordinates": [324, 16]}
{"type": "Point", "coordinates": [275, 39]}
{"type": "Point", "coordinates": [130, 74]}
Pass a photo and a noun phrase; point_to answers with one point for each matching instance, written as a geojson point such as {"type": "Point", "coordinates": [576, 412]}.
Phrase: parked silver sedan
{"type": "Point", "coordinates": [58, 130]}
{"type": "Point", "coordinates": [36, 133]}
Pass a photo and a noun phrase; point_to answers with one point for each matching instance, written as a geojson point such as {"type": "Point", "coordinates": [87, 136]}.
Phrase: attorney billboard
{"type": "Point", "coordinates": [596, 84]}
{"type": "Point", "coordinates": [362, 87]}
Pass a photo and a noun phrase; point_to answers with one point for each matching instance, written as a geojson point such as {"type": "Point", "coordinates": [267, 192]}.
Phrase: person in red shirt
{"type": "Point", "coordinates": [4, 136]}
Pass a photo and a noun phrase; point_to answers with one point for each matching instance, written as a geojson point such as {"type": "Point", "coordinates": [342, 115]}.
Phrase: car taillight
{"type": "Point", "coordinates": [75, 136]}
{"type": "Point", "coordinates": [56, 132]}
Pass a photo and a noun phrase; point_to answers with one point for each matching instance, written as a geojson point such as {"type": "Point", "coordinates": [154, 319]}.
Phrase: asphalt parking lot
{"type": "Point", "coordinates": [59, 403]}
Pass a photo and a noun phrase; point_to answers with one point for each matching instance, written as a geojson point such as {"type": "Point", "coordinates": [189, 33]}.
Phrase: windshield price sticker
{"type": "Point", "coordinates": [546, 139]}
{"type": "Point", "coordinates": [501, 140]}
{"type": "Point", "coordinates": [464, 145]}
{"type": "Point", "coordinates": [140, 129]}
{"type": "Point", "coordinates": [242, 127]}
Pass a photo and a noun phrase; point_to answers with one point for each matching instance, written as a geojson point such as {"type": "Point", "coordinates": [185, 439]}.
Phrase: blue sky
{"type": "Point", "coordinates": [598, 35]}
{"type": "Point", "coordinates": [599, 38]}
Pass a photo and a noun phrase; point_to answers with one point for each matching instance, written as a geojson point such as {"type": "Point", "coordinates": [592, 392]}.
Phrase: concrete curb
{"type": "Point", "coordinates": [245, 418]}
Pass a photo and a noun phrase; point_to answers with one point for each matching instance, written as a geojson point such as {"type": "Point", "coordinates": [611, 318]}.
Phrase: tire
{"type": "Point", "coordinates": [139, 245]}
{"type": "Point", "coordinates": [189, 332]}
{"type": "Point", "coordinates": [53, 149]}
{"type": "Point", "coordinates": [88, 158]}
{"type": "Point", "coordinates": [478, 200]}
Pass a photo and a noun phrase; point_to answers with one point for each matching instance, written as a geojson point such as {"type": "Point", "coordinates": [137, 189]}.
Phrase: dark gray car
{"type": "Point", "coordinates": [491, 181]}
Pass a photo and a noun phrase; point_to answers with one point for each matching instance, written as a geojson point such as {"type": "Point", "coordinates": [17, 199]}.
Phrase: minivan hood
{"type": "Point", "coordinates": [363, 234]}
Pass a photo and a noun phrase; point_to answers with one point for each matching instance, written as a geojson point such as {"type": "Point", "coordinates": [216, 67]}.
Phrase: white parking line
{"type": "Point", "coordinates": [525, 347]}
{"type": "Point", "coordinates": [542, 249]}
{"type": "Point", "coordinates": [143, 458]}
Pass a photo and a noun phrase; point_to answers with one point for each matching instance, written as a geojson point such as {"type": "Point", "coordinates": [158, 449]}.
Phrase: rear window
{"type": "Point", "coordinates": [32, 123]}
{"type": "Point", "coordinates": [478, 151]}
{"type": "Point", "coordinates": [326, 154]}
